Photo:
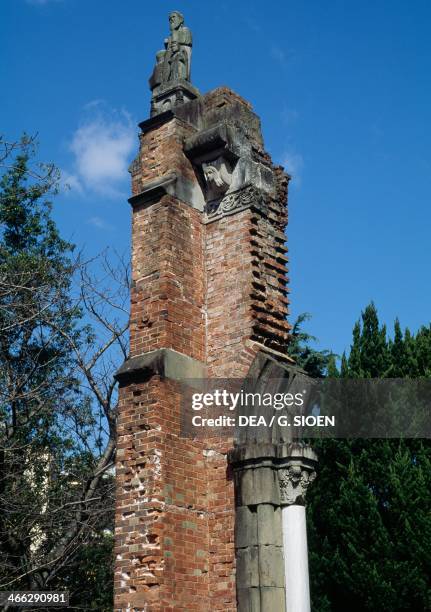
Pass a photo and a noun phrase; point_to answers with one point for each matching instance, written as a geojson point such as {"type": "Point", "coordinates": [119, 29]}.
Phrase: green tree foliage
{"type": "Point", "coordinates": [35, 363]}
{"type": "Point", "coordinates": [305, 355]}
{"type": "Point", "coordinates": [57, 397]}
{"type": "Point", "coordinates": [369, 510]}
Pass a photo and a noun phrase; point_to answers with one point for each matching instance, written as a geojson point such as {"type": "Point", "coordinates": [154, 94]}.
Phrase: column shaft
{"type": "Point", "coordinates": [295, 558]}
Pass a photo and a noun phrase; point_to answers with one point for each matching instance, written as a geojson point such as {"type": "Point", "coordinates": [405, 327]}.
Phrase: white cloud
{"type": "Point", "coordinates": [102, 146]}
{"type": "Point", "coordinates": [293, 162]}
{"type": "Point", "coordinates": [70, 182]}
{"type": "Point", "coordinates": [94, 103]}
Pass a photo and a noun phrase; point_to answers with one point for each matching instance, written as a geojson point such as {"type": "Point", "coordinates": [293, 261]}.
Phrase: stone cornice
{"type": "Point", "coordinates": [169, 184]}
{"type": "Point", "coordinates": [154, 122]}
{"type": "Point", "coordinates": [221, 138]}
{"type": "Point", "coordinates": [164, 362]}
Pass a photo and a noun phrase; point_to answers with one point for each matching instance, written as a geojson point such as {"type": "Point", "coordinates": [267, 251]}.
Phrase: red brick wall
{"type": "Point", "coordinates": [246, 272]}
{"type": "Point", "coordinates": [270, 292]}
{"type": "Point", "coordinates": [162, 557]}
{"type": "Point", "coordinates": [228, 262]}
{"type": "Point", "coordinates": [160, 153]}
{"type": "Point", "coordinates": [167, 296]}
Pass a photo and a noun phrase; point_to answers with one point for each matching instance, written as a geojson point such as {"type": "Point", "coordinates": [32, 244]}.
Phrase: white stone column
{"type": "Point", "coordinates": [295, 559]}
{"type": "Point", "coordinates": [294, 478]}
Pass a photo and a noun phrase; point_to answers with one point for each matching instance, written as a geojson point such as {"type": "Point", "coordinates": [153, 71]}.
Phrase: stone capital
{"type": "Point", "coordinates": [294, 478]}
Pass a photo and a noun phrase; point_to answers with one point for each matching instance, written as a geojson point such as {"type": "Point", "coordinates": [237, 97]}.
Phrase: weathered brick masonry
{"type": "Point", "coordinates": [208, 293]}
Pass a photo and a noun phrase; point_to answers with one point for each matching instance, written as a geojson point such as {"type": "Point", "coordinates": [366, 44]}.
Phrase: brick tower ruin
{"type": "Point", "coordinates": [195, 531]}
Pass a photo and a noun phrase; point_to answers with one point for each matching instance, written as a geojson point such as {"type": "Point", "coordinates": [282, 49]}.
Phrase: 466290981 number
{"type": "Point", "coordinates": [26, 599]}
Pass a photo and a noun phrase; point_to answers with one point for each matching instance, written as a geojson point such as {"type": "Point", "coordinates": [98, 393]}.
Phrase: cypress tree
{"type": "Point", "coordinates": [369, 509]}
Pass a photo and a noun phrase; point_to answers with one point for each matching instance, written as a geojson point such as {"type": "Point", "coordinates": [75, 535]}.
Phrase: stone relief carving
{"type": "Point", "coordinates": [294, 481]}
{"type": "Point", "coordinates": [218, 177]}
{"type": "Point", "coordinates": [236, 200]}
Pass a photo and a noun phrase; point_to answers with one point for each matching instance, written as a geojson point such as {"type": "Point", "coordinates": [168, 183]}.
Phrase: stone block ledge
{"type": "Point", "coordinates": [165, 363]}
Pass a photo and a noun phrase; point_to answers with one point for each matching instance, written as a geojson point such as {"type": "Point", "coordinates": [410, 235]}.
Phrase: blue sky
{"type": "Point", "coordinates": [343, 89]}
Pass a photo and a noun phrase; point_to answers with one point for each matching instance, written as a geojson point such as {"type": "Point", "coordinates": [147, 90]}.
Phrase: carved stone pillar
{"type": "Point", "coordinates": [258, 533]}
{"type": "Point", "coordinates": [294, 478]}
{"type": "Point", "coordinates": [270, 533]}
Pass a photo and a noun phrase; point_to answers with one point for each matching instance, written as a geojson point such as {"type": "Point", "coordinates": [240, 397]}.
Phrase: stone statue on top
{"type": "Point", "coordinates": [173, 64]}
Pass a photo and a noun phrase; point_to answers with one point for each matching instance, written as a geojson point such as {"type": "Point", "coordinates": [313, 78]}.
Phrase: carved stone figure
{"type": "Point", "coordinates": [173, 64]}
{"type": "Point", "coordinates": [218, 177]}
{"type": "Point", "coordinates": [178, 50]}
{"type": "Point", "coordinates": [156, 78]}
{"type": "Point", "coordinates": [170, 82]}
